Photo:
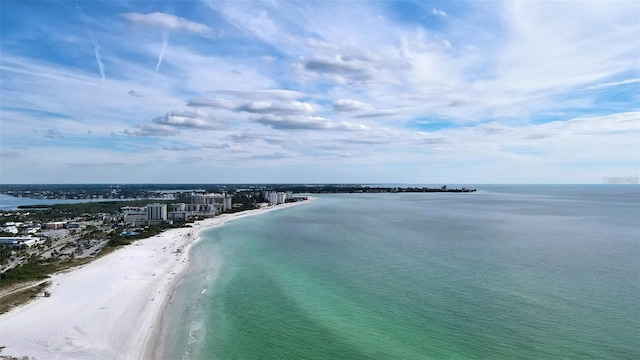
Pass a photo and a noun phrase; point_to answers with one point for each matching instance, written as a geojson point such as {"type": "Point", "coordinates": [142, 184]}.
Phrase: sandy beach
{"type": "Point", "coordinates": [112, 307]}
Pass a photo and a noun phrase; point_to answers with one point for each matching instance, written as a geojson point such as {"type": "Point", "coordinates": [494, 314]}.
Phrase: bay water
{"type": "Point", "coordinates": [508, 272]}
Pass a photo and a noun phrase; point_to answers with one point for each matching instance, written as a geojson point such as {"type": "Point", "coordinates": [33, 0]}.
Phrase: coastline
{"type": "Point", "coordinates": [112, 307]}
{"type": "Point", "coordinates": [157, 345]}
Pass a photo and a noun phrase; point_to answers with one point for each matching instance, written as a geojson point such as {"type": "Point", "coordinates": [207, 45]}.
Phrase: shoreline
{"type": "Point", "coordinates": [156, 347]}
{"type": "Point", "coordinates": [112, 307]}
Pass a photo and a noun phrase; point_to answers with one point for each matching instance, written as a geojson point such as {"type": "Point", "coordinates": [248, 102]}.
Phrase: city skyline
{"type": "Point", "coordinates": [308, 92]}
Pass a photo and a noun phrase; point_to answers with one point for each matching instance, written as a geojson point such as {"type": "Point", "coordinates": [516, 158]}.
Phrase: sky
{"type": "Point", "coordinates": [416, 92]}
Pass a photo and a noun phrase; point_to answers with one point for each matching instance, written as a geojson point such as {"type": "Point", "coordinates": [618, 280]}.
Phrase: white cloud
{"type": "Point", "coordinates": [257, 106]}
{"type": "Point", "coordinates": [152, 130]}
{"type": "Point", "coordinates": [438, 12]}
{"type": "Point", "coordinates": [384, 113]}
{"type": "Point", "coordinates": [349, 105]}
{"type": "Point", "coordinates": [307, 123]}
{"type": "Point", "coordinates": [215, 103]}
{"type": "Point", "coordinates": [271, 94]}
{"type": "Point", "coordinates": [166, 22]}
{"type": "Point", "coordinates": [613, 83]}
{"type": "Point", "coordinates": [189, 120]}
{"type": "Point", "coordinates": [543, 54]}
{"type": "Point", "coordinates": [340, 69]}
{"type": "Point", "coordinates": [272, 107]}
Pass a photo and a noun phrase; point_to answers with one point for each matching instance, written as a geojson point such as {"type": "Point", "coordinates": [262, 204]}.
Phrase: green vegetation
{"type": "Point", "coordinates": [65, 211]}
{"type": "Point", "coordinates": [36, 269]}
{"type": "Point", "coordinates": [5, 254]}
{"type": "Point", "coordinates": [30, 271]}
{"type": "Point", "coordinates": [21, 296]}
{"type": "Point", "coordinates": [243, 201]}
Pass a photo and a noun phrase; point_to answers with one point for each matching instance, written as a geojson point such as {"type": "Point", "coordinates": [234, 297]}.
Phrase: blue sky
{"type": "Point", "coordinates": [305, 92]}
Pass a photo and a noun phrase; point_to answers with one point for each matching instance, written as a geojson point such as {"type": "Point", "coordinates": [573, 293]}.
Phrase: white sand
{"type": "Point", "coordinates": [110, 308]}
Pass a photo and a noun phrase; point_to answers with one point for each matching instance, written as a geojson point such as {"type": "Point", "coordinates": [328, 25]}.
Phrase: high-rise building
{"type": "Point", "coordinates": [157, 212]}
{"type": "Point", "coordinates": [273, 198]}
{"type": "Point", "coordinates": [221, 201]}
{"type": "Point", "coordinates": [276, 198]}
{"type": "Point", "coordinates": [179, 207]}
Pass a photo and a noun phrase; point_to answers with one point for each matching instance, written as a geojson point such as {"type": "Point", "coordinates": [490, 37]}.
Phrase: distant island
{"type": "Point", "coordinates": [351, 189]}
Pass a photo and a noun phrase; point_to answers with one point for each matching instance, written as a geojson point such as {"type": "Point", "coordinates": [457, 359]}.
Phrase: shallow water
{"type": "Point", "coordinates": [508, 272]}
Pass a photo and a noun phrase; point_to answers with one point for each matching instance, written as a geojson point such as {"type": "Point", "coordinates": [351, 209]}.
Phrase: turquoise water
{"type": "Point", "coordinates": [523, 272]}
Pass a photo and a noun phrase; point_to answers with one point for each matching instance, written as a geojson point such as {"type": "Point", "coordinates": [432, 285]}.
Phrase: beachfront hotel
{"type": "Point", "coordinates": [221, 201]}
{"type": "Point", "coordinates": [277, 197]}
{"type": "Point", "coordinates": [152, 214]}
{"type": "Point", "coordinates": [206, 205]}
{"type": "Point", "coordinates": [201, 205]}
{"type": "Point", "coordinates": [156, 213]}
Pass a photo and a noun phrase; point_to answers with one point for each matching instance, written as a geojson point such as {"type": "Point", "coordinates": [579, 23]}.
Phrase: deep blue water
{"type": "Point", "coordinates": [509, 272]}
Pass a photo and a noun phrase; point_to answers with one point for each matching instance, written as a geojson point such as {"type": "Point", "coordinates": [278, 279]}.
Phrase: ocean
{"type": "Point", "coordinates": [508, 272]}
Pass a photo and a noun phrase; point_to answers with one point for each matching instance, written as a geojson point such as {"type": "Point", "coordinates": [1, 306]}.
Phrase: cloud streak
{"type": "Point", "coordinates": [163, 48]}
{"type": "Point", "coordinates": [614, 83]}
{"type": "Point", "coordinates": [92, 38]}
{"type": "Point", "coordinates": [166, 22]}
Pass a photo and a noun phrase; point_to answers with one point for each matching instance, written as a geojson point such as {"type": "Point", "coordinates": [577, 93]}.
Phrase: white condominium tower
{"type": "Point", "coordinates": [157, 212]}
